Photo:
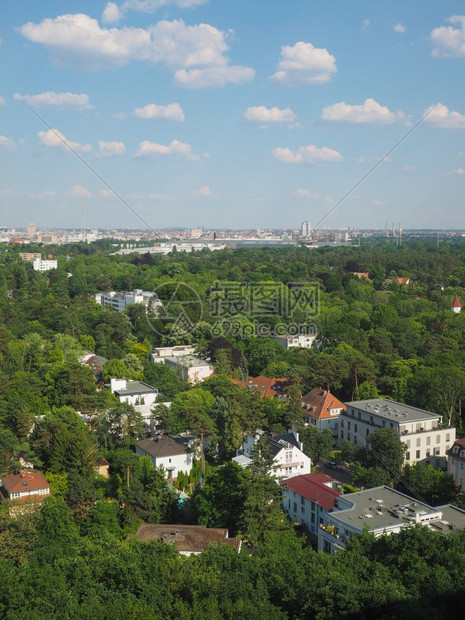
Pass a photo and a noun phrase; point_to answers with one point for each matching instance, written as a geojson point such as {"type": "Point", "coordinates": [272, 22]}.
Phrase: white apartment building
{"type": "Point", "coordinates": [309, 498]}
{"type": "Point", "coordinates": [133, 392]}
{"type": "Point", "coordinates": [119, 301]}
{"type": "Point", "coordinates": [299, 340]}
{"type": "Point", "coordinates": [421, 431]}
{"type": "Point", "coordinates": [44, 265]}
{"type": "Point", "coordinates": [383, 511]}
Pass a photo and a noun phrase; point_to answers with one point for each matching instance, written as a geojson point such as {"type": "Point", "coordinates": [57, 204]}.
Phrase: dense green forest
{"type": "Point", "coordinates": [374, 337]}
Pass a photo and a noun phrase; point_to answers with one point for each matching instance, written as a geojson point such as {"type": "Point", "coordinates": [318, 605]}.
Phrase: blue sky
{"type": "Point", "coordinates": [232, 114]}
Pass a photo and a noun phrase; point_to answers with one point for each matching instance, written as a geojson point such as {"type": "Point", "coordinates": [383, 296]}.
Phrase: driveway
{"type": "Point", "coordinates": [342, 475]}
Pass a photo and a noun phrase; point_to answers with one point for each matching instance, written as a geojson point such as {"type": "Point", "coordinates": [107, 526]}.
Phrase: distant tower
{"type": "Point", "coordinates": [306, 229]}
{"type": "Point", "coordinates": [456, 305]}
{"type": "Point", "coordinates": [83, 222]}
{"type": "Point", "coordinates": [31, 230]}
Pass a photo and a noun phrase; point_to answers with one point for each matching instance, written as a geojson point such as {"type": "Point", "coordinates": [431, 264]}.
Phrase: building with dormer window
{"type": "Point", "coordinates": [456, 462]}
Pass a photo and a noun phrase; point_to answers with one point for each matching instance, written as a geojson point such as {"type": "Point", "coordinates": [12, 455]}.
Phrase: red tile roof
{"type": "Point", "coordinates": [313, 487]}
{"type": "Point", "coordinates": [25, 482]}
{"type": "Point", "coordinates": [456, 303]}
{"type": "Point", "coordinates": [266, 386]}
{"type": "Point", "coordinates": [318, 404]}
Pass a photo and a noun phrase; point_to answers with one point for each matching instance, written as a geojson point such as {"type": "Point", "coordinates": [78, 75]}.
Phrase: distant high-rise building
{"type": "Point", "coordinates": [31, 230]}
{"type": "Point", "coordinates": [306, 229]}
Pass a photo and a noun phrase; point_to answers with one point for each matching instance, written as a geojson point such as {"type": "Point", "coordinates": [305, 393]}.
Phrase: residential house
{"type": "Point", "coordinates": [119, 301]}
{"type": "Point", "coordinates": [140, 395]}
{"type": "Point", "coordinates": [421, 431]}
{"type": "Point", "coordinates": [298, 340]}
{"type": "Point", "coordinates": [309, 498]}
{"type": "Point", "coordinates": [360, 274]}
{"type": "Point", "coordinates": [456, 462]}
{"type": "Point", "coordinates": [101, 467]}
{"type": "Point", "coordinates": [383, 510]}
{"type": "Point", "coordinates": [161, 353]}
{"type": "Point", "coordinates": [401, 280]}
{"type": "Point", "coordinates": [287, 450]}
{"type": "Point", "coordinates": [94, 362]}
{"type": "Point", "coordinates": [266, 387]}
{"type": "Point", "coordinates": [28, 485]}
{"type": "Point", "coordinates": [174, 454]}
{"type": "Point", "coordinates": [322, 409]}
{"type": "Point", "coordinates": [191, 368]}
{"type": "Point", "coordinates": [188, 539]}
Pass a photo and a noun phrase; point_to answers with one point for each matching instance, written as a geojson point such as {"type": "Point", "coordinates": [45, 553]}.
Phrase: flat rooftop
{"type": "Point", "coordinates": [136, 387]}
{"type": "Point", "coordinates": [392, 410]}
{"type": "Point", "coordinates": [384, 508]}
{"type": "Point", "coordinates": [186, 538]}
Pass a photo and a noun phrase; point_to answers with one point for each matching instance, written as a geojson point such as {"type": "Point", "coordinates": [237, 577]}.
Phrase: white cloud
{"type": "Point", "coordinates": [46, 193]}
{"type": "Point", "coordinates": [7, 143]}
{"type": "Point", "coordinates": [441, 116]}
{"type": "Point", "coordinates": [449, 42]}
{"type": "Point", "coordinates": [409, 168]}
{"type": "Point", "coordinates": [305, 193]}
{"type": "Point", "coordinates": [159, 196]}
{"type": "Point", "coordinates": [8, 192]}
{"type": "Point", "coordinates": [303, 63]}
{"type": "Point", "coordinates": [55, 139]}
{"type": "Point", "coordinates": [378, 203]}
{"type": "Point", "coordinates": [261, 114]}
{"type": "Point", "coordinates": [366, 23]}
{"type": "Point", "coordinates": [109, 149]}
{"type": "Point", "coordinates": [368, 112]}
{"type": "Point", "coordinates": [213, 77]}
{"type": "Point", "coordinates": [113, 13]}
{"type": "Point", "coordinates": [399, 28]}
{"type": "Point", "coordinates": [65, 101]}
{"type": "Point", "coordinates": [176, 147]}
{"type": "Point", "coordinates": [203, 191]}
{"type": "Point", "coordinates": [78, 191]}
{"type": "Point", "coordinates": [171, 112]}
{"type": "Point", "coordinates": [196, 53]}
{"type": "Point", "coordinates": [106, 193]}
{"type": "Point", "coordinates": [306, 154]}
{"type": "Point", "coordinates": [458, 171]}
{"type": "Point", "coordinates": [2, 100]}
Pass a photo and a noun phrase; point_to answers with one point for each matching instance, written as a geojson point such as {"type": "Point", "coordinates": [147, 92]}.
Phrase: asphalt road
{"type": "Point", "coordinates": [341, 475]}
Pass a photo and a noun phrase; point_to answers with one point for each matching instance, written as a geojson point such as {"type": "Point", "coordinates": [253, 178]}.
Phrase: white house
{"type": "Point", "coordinates": [191, 368]}
{"type": "Point", "coordinates": [119, 301]}
{"type": "Point", "coordinates": [421, 431]}
{"type": "Point", "coordinates": [173, 454]}
{"type": "Point", "coordinates": [133, 392]}
{"type": "Point", "coordinates": [28, 485]}
{"type": "Point", "coordinates": [456, 462]}
{"type": "Point", "coordinates": [309, 498]}
{"type": "Point", "coordinates": [299, 340]}
{"type": "Point", "coordinates": [289, 459]}
{"type": "Point", "coordinates": [44, 265]}
{"type": "Point", "coordinates": [383, 511]}
{"type": "Point", "coordinates": [161, 353]}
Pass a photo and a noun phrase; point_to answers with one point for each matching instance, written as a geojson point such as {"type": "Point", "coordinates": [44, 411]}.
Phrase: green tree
{"type": "Point", "coordinates": [317, 445]}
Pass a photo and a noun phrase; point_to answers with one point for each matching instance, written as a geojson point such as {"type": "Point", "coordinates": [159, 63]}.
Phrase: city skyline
{"type": "Point", "coordinates": [231, 115]}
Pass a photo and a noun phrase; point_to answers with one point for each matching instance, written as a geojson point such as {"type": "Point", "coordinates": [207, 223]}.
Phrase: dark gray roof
{"type": "Point", "coordinates": [392, 410]}
{"type": "Point", "coordinates": [136, 387]}
{"type": "Point", "coordinates": [278, 442]}
{"type": "Point", "coordinates": [162, 446]}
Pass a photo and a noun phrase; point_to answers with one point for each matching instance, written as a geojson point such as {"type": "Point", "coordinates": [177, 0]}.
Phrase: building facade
{"type": "Point", "coordinates": [456, 462]}
{"type": "Point", "coordinates": [44, 265]}
{"type": "Point", "coordinates": [299, 340]}
{"type": "Point", "coordinates": [422, 432]}
{"type": "Point", "coordinates": [118, 302]}
{"type": "Point", "coordinates": [28, 485]}
{"type": "Point", "coordinates": [171, 453]}
{"type": "Point", "coordinates": [322, 409]}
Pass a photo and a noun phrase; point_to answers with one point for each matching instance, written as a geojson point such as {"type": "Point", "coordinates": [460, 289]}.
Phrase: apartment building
{"type": "Point", "coordinates": [421, 431]}
{"type": "Point", "coordinates": [119, 301]}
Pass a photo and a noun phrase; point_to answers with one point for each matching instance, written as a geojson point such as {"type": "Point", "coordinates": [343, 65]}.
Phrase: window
{"type": "Point", "coordinates": [418, 442]}
{"type": "Point", "coordinates": [355, 427]}
{"type": "Point", "coordinates": [407, 443]}
{"type": "Point", "coordinates": [407, 456]}
{"type": "Point", "coordinates": [313, 505]}
{"type": "Point", "coordinates": [326, 546]}
{"type": "Point", "coordinates": [302, 500]}
{"type": "Point", "coordinates": [447, 436]}
{"type": "Point", "coordinates": [342, 434]}
{"type": "Point", "coordinates": [371, 419]}
{"type": "Point", "coordinates": [461, 465]}
{"type": "Point", "coordinates": [355, 439]}
{"type": "Point", "coordinates": [312, 518]}
{"type": "Point", "coordinates": [295, 507]}
{"type": "Point", "coordinates": [428, 441]}
{"type": "Point", "coordinates": [348, 425]}
{"type": "Point", "coordinates": [367, 432]}
{"type": "Point", "coordinates": [302, 509]}
{"type": "Point", "coordinates": [384, 423]}
{"type": "Point", "coordinates": [418, 454]}
{"type": "Point", "coordinates": [391, 425]}
{"type": "Point", "coordinates": [453, 461]}
{"type": "Point", "coordinates": [427, 453]}
{"type": "Point", "coordinates": [359, 415]}
{"type": "Point", "coordinates": [438, 439]}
